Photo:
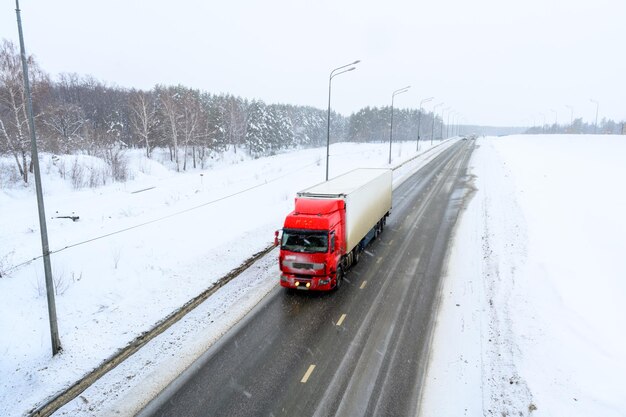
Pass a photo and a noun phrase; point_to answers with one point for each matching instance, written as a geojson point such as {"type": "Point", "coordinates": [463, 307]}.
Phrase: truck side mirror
{"type": "Point", "coordinates": [276, 238]}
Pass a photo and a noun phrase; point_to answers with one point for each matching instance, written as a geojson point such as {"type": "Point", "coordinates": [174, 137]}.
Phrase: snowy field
{"type": "Point", "coordinates": [532, 311]}
{"type": "Point", "coordinates": [181, 233]}
{"type": "Point", "coordinates": [531, 319]}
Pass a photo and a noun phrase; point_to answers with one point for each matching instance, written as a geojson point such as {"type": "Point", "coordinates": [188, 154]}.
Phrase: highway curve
{"type": "Point", "coordinates": [360, 351]}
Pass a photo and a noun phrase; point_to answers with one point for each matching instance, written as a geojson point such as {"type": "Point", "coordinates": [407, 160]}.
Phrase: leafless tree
{"type": "Point", "coordinates": [237, 120]}
{"type": "Point", "coordinates": [14, 130]}
{"type": "Point", "coordinates": [168, 99]}
{"type": "Point", "coordinates": [190, 121]}
{"type": "Point", "coordinates": [64, 126]}
{"type": "Point", "coordinates": [143, 113]}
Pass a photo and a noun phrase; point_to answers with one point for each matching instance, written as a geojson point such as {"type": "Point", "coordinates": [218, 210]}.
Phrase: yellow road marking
{"type": "Point", "coordinates": [307, 374]}
{"type": "Point", "coordinates": [341, 319]}
{"type": "Point", "coordinates": [363, 284]}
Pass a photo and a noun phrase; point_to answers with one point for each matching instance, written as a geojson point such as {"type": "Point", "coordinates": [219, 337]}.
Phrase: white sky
{"type": "Point", "coordinates": [496, 62]}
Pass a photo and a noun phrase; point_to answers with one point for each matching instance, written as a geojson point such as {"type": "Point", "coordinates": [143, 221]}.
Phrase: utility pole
{"type": "Point", "coordinates": [52, 312]}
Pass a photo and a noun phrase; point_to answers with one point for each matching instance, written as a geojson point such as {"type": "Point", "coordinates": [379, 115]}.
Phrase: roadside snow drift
{"type": "Point", "coordinates": [532, 311]}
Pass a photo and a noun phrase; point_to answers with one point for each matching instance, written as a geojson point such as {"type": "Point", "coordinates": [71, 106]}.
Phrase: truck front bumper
{"type": "Point", "coordinates": [312, 283]}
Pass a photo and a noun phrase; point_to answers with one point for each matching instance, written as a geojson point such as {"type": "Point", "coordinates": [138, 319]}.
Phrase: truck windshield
{"type": "Point", "coordinates": [304, 241]}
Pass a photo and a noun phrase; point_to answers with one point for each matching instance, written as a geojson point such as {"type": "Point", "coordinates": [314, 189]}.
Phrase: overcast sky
{"type": "Point", "coordinates": [496, 62]}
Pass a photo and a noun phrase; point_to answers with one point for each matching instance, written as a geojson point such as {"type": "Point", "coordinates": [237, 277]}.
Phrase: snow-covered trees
{"type": "Point", "coordinates": [233, 119]}
{"type": "Point", "coordinates": [78, 114]}
{"type": "Point", "coordinates": [372, 124]}
{"type": "Point", "coordinates": [605, 126]}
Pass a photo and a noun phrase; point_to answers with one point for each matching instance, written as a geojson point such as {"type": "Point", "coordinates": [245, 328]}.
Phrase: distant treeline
{"type": "Point", "coordinates": [605, 126]}
{"type": "Point", "coordinates": [78, 114]}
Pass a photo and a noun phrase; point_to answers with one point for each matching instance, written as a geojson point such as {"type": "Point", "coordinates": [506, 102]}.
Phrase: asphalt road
{"type": "Point", "coordinates": [360, 351]}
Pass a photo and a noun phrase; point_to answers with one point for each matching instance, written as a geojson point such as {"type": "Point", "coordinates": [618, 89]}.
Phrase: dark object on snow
{"type": "Point", "coordinates": [145, 189]}
{"type": "Point", "coordinates": [74, 218]}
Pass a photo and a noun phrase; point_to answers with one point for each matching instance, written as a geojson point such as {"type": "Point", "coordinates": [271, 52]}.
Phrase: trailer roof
{"type": "Point", "coordinates": [346, 183]}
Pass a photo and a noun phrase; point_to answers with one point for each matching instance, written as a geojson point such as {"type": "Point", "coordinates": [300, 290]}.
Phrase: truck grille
{"type": "Point", "coordinates": [303, 265]}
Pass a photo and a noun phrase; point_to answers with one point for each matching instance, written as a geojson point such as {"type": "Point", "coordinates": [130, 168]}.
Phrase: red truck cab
{"type": "Point", "coordinates": [312, 244]}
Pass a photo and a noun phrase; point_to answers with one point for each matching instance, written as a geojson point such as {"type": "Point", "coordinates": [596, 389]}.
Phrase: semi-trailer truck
{"type": "Point", "coordinates": [330, 226]}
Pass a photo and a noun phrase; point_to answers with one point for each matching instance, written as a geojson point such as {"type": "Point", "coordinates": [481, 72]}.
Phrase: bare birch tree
{"type": "Point", "coordinates": [143, 117]}
{"type": "Point", "coordinates": [168, 99]}
{"type": "Point", "coordinates": [14, 129]}
{"type": "Point", "coordinates": [190, 121]}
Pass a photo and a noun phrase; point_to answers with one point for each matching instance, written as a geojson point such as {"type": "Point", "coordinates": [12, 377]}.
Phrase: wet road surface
{"type": "Point", "coordinates": [360, 351]}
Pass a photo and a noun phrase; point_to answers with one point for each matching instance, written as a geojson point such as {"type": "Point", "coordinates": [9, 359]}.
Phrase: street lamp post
{"type": "Point", "coordinates": [419, 119]}
{"type": "Point", "coordinates": [432, 131]}
{"type": "Point", "coordinates": [455, 120]}
{"type": "Point", "coordinates": [595, 126]}
{"type": "Point", "coordinates": [395, 93]}
{"type": "Point", "coordinates": [571, 119]}
{"type": "Point", "coordinates": [442, 119]}
{"type": "Point", "coordinates": [330, 79]}
{"type": "Point", "coordinates": [556, 120]}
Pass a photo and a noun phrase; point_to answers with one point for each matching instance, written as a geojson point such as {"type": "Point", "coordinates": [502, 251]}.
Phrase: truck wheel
{"type": "Point", "coordinates": [339, 278]}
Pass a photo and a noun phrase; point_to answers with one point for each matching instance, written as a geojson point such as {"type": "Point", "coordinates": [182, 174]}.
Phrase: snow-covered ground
{"type": "Point", "coordinates": [180, 233]}
{"type": "Point", "coordinates": [532, 313]}
{"type": "Point", "coordinates": [531, 318]}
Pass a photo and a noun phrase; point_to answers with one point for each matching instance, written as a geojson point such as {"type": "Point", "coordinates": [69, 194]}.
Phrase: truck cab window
{"type": "Point", "coordinates": [305, 241]}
